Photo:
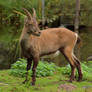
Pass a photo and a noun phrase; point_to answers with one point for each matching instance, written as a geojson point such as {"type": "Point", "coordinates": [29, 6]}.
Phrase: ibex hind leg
{"type": "Point", "coordinates": [67, 52]}
{"type": "Point", "coordinates": [29, 63]}
{"type": "Point", "coordinates": [78, 66]}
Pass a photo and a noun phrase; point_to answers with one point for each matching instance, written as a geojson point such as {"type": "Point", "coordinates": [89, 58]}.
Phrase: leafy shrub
{"type": "Point", "coordinates": [86, 69]}
{"type": "Point", "coordinates": [43, 69]}
{"type": "Point", "coordinates": [65, 70]}
{"type": "Point", "coordinates": [48, 69]}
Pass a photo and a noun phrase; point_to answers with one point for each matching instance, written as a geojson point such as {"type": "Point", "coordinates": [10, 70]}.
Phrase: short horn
{"type": "Point", "coordinates": [27, 13]}
{"type": "Point", "coordinates": [34, 13]}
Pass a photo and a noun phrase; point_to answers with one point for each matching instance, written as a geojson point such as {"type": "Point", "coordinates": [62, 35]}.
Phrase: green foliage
{"type": "Point", "coordinates": [43, 69]}
{"type": "Point", "coordinates": [65, 70]}
{"type": "Point", "coordinates": [48, 69]}
{"type": "Point", "coordinates": [56, 8]}
{"type": "Point", "coordinates": [19, 68]}
{"type": "Point", "coordinates": [86, 69]}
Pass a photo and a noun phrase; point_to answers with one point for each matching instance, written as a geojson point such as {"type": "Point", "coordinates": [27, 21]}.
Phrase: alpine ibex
{"type": "Point", "coordinates": [35, 43]}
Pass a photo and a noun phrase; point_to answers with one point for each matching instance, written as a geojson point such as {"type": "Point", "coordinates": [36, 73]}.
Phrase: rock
{"type": "Point", "coordinates": [87, 87]}
{"type": "Point", "coordinates": [67, 87]}
{"type": "Point", "coordinates": [89, 58]}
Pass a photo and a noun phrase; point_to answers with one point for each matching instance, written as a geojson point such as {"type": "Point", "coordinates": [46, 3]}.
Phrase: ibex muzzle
{"type": "Point", "coordinates": [35, 43]}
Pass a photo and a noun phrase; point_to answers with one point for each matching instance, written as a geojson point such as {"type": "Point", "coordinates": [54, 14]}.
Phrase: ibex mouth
{"type": "Point", "coordinates": [36, 33]}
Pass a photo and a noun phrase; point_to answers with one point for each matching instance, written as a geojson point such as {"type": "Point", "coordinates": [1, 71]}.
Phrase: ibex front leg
{"type": "Point", "coordinates": [29, 62]}
{"type": "Point", "coordinates": [35, 63]}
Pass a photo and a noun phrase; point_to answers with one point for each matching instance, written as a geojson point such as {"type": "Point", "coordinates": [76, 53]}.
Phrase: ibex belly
{"type": "Point", "coordinates": [50, 48]}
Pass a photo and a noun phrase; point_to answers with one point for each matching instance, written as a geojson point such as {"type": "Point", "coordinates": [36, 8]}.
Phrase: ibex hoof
{"type": "Point", "coordinates": [79, 80]}
{"type": "Point", "coordinates": [70, 80]}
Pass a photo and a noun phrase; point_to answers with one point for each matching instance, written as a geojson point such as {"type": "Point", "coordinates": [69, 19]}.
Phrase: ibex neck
{"type": "Point", "coordinates": [24, 35]}
{"type": "Point", "coordinates": [24, 39]}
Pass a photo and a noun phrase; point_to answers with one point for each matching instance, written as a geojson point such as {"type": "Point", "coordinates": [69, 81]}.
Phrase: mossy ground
{"type": "Point", "coordinates": [10, 83]}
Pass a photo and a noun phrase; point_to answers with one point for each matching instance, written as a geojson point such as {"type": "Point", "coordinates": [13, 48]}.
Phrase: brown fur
{"type": "Point", "coordinates": [49, 41]}
{"type": "Point", "coordinates": [35, 43]}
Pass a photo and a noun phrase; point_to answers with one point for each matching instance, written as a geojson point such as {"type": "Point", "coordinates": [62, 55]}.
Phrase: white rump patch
{"type": "Point", "coordinates": [76, 35]}
{"type": "Point", "coordinates": [75, 44]}
{"type": "Point", "coordinates": [57, 53]}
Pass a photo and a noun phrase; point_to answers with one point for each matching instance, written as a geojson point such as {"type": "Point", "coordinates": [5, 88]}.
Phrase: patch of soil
{"type": "Point", "coordinates": [67, 87]}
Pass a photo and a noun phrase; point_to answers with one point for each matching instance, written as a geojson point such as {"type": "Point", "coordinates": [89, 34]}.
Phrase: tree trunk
{"type": "Point", "coordinates": [43, 13]}
{"type": "Point", "coordinates": [77, 15]}
{"type": "Point", "coordinates": [76, 25]}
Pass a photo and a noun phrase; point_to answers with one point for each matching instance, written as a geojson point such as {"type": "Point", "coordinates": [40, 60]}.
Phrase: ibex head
{"type": "Point", "coordinates": [30, 23]}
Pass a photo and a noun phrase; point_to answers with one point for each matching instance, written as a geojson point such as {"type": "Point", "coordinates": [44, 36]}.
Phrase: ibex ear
{"type": "Point", "coordinates": [27, 13]}
{"type": "Point", "coordinates": [34, 13]}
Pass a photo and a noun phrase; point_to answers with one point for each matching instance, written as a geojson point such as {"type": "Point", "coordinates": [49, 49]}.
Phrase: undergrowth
{"type": "Point", "coordinates": [47, 69]}
{"type": "Point", "coordinates": [44, 69]}
{"type": "Point", "coordinates": [86, 70]}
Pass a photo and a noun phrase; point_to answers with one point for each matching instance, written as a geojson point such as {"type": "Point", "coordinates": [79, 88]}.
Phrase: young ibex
{"type": "Point", "coordinates": [35, 43]}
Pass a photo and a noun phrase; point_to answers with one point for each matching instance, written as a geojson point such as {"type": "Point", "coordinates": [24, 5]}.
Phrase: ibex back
{"type": "Point", "coordinates": [35, 43]}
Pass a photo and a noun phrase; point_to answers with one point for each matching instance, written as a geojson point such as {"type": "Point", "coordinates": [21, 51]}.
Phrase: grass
{"type": "Point", "coordinates": [10, 83]}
